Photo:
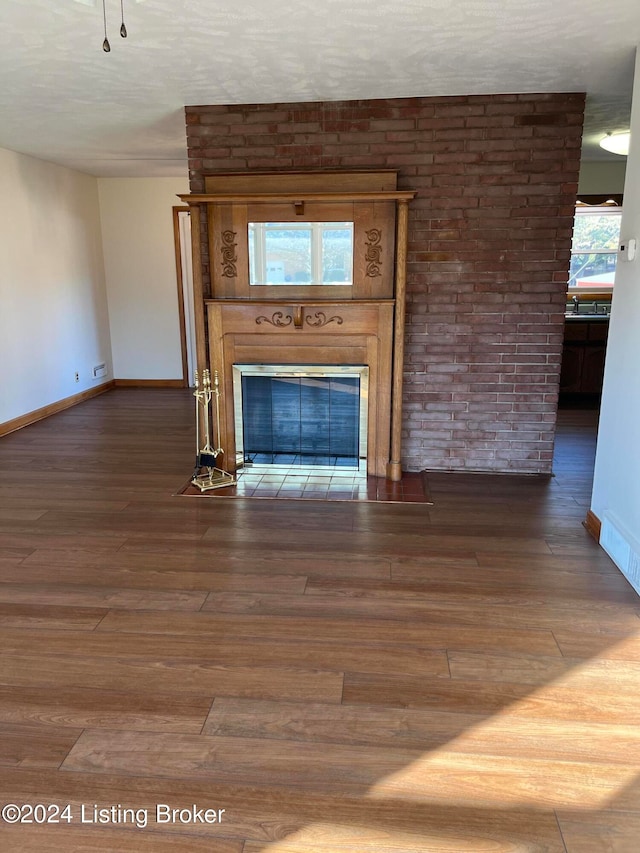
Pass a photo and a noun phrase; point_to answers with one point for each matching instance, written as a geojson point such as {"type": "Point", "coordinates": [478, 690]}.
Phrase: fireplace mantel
{"type": "Point", "coordinates": [357, 323]}
{"type": "Point", "coordinates": [330, 333]}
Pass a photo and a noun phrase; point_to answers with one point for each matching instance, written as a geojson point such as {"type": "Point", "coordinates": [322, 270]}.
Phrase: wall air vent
{"type": "Point", "coordinates": [633, 575]}
{"type": "Point", "coordinates": [99, 370]}
{"type": "Point", "coordinates": [622, 547]}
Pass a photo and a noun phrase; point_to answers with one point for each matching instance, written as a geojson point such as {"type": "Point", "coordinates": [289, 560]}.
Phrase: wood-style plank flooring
{"type": "Point", "coordinates": [348, 677]}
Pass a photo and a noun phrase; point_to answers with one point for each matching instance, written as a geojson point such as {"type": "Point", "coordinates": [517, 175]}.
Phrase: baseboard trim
{"type": "Point", "coordinates": [593, 525]}
{"type": "Point", "coordinates": [150, 383]}
{"type": "Point", "coordinates": [53, 408]}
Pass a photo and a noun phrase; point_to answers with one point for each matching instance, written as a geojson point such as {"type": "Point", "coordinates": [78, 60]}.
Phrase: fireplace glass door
{"type": "Point", "coordinates": [301, 416]}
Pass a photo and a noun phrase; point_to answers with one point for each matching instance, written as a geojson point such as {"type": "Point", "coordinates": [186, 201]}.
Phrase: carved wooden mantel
{"type": "Point", "coordinates": [360, 323]}
{"type": "Point", "coordinates": [336, 333]}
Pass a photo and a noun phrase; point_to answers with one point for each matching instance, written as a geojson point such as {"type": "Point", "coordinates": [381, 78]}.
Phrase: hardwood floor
{"type": "Point", "coordinates": [391, 678]}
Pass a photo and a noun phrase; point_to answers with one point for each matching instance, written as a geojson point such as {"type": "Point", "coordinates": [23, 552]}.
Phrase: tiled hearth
{"type": "Point", "coordinates": [261, 481]}
{"type": "Point", "coordinates": [306, 484]}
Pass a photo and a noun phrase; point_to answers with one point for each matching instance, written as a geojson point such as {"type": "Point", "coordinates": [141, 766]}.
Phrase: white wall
{"type": "Point", "coordinates": [616, 490]}
{"type": "Point", "coordinates": [602, 177]}
{"type": "Point", "coordinates": [137, 233]}
{"type": "Point", "coordinates": [53, 308]}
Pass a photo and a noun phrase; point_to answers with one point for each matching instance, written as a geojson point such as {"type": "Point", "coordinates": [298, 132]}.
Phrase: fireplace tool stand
{"type": "Point", "coordinates": [211, 477]}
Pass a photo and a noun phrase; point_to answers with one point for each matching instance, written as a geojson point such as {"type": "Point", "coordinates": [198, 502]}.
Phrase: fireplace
{"type": "Point", "coordinates": [355, 348]}
{"type": "Point", "coordinates": [289, 416]}
{"type": "Point", "coordinates": [306, 308]}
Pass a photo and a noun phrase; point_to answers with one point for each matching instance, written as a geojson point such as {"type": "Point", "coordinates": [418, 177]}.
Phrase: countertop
{"type": "Point", "coordinates": [584, 318]}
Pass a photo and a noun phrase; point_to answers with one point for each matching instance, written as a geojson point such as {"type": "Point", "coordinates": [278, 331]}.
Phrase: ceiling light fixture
{"type": "Point", "coordinates": [123, 29]}
{"type": "Point", "coordinates": [616, 143]}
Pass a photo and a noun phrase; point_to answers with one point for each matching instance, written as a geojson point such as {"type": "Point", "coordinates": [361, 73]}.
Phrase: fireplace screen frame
{"type": "Point", "coordinates": [360, 371]}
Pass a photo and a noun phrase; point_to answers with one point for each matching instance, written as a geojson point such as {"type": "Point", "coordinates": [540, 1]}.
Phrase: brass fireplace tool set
{"type": "Point", "coordinates": [206, 456]}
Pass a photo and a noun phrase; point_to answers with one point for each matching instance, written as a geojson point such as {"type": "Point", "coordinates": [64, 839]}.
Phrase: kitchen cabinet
{"type": "Point", "coordinates": [583, 356]}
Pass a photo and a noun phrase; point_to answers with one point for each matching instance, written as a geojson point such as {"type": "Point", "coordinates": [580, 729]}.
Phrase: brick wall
{"type": "Point", "coordinates": [489, 240]}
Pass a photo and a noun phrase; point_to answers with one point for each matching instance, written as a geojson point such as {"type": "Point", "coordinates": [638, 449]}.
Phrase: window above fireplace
{"type": "Point", "coordinates": [312, 253]}
{"type": "Point", "coordinates": [296, 236]}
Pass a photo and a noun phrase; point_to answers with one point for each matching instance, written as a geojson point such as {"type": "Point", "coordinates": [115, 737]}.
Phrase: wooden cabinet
{"type": "Point", "coordinates": [593, 370]}
{"type": "Point", "coordinates": [583, 357]}
{"type": "Point", "coordinates": [571, 371]}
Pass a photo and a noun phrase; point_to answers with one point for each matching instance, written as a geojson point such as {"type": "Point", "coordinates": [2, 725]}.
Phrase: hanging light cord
{"type": "Point", "coordinates": [105, 44]}
{"type": "Point", "coordinates": [123, 29]}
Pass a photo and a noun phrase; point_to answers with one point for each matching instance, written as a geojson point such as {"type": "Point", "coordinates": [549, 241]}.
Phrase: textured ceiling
{"type": "Point", "coordinates": [121, 113]}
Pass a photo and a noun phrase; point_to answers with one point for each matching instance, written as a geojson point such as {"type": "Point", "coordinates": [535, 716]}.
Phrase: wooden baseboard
{"type": "Point", "coordinates": [150, 383]}
{"type": "Point", "coordinates": [53, 408]}
{"type": "Point", "coordinates": [593, 525]}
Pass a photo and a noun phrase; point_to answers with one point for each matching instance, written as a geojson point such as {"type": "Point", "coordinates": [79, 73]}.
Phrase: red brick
{"type": "Point", "coordinates": [489, 235]}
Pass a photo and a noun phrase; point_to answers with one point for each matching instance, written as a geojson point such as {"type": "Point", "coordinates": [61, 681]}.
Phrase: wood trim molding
{"type": "Point", "coordinates": [394, 469]}
{"type": "Point", "coordinates": [53, 408]}
{"type": "Point", "coordinates": [589, 296]}
{"type": "Point", "coordinates": [593, 524]}
{"type": "Point", "coordinates": [598, 200]}
{"type": "Point", "coordinates": [178, 255]}
{"type": "Point", "coordinates": [198, 293]}
{"type": "Point", "coordinates": [292, 198]}
{"type": "Point", "coordinates": [149, 383]}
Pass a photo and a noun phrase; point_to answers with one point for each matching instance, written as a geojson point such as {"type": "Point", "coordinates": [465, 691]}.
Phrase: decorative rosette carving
{"type": "Point", "coordinates": [373, 255]}
{"type": "Point", "coordinates": [229, 255]}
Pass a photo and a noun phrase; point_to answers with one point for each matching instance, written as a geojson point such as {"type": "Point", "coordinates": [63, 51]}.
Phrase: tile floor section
{"type": "Point", "coordinates": [309, 484]}
{"type": "Point", "coordinates": [262, 481]}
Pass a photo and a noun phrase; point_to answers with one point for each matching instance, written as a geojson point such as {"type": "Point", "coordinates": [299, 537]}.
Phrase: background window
{"type": "Point", "coordinates": [594, 250]}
